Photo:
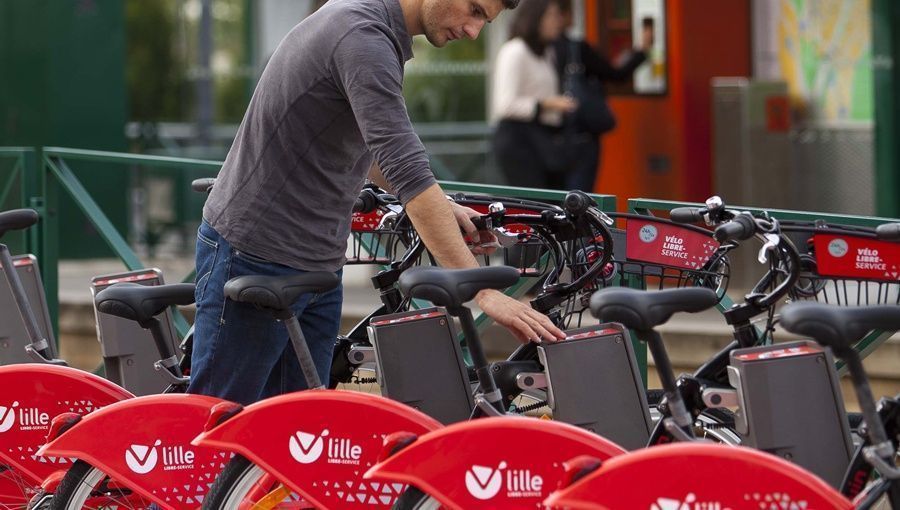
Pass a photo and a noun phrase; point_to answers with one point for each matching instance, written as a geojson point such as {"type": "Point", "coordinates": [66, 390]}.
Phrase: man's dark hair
{"type": "Point", "coordinates": [565, 6]}
{"type": "Point", "coordinates": [527, 24]}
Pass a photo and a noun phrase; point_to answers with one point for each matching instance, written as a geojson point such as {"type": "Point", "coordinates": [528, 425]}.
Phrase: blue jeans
{"type": "Point", "coordinates": [243, 354]}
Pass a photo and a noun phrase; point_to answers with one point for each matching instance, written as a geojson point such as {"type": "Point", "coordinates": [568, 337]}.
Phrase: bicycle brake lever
{"type": "Point", "coordinates": [605, 218]}
{"type": "Point", "coordinates": [505, 238]}
{"type": "Point", "coordinates": [391, 215]}
{"type": "Point", "coordinates": [772, 242]}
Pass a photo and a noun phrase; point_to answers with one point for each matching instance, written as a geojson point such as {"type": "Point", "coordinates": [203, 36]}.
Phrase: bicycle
{"type": "Point", "coordinates": [121, 459]}
{"type": "Point", "coordinates": [236, 485]}
{"type": "Point", "coordinates": [739, 477]}
{"type": "Point", "coordinates": [32, 393]}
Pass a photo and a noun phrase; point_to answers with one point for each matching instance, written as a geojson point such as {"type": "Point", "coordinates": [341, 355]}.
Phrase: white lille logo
{"type": "Point", "coordinates": [484, 482]}
{"type": "Point", "coordinates": [838, 248]}
{"type": "Point", "coordinates": [648, 233]}
{"type": "Point", "coordinates": [8, 417]}
{"type": "Point", "coordinates": [142, 459]}
{"type": "Point", "coordinates": [307, 448]}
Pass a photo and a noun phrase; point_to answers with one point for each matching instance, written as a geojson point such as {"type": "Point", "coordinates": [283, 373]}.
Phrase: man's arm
{"type": "Point", "coordinates": [436, 224]}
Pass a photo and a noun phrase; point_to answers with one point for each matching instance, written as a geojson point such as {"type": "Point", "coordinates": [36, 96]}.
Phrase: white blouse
{"type": "Point", "coordinates": [521, 80]}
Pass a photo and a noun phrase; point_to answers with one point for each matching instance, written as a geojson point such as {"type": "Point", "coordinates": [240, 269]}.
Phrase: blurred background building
{"type": "Point", "coordinates": [782, 103]}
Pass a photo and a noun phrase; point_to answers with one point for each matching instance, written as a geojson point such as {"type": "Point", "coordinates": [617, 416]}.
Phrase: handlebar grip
{"type": "Point", "coordinates": [740, 228]}
{"type": "Point", "coordinates": [366, 202]}
{"type": "Point", "coordinates": [204, 185]}
{"type": "Point", "coordinates": [888, 232]}
{"type": "Point", "coordinates": [577, 202]}
{"type": "Point", "coordinates": [686, 214]}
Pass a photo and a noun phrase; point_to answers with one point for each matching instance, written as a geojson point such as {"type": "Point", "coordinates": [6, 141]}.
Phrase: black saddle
{"type": "Point", "coordinates": [17, 219]}
{"type": "Point", "coordinates": [452, 288]}
{"type": "Point", "coordinates": [142, 302]}
{"type": "Point", "coordinates": [838, 327]}
{"type": "Point", "coordinates": [642, 310]}
{"type": "Point", "coordinates": [278, 293]}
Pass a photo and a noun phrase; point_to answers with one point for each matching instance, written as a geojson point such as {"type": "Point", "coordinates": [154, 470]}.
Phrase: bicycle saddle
{"type": "Point", "coordinates": [453, 287]}
{"type": "Point", "coordinates": [278, 292]}
{"type": "Point", "coordinates": [838, 327]}
{"type": "Point", "coordinates": [142, 302]}
{"type": "Point", "coordinates": [17, 219]}
{"type": "Point", "coordinates": [642, 310]}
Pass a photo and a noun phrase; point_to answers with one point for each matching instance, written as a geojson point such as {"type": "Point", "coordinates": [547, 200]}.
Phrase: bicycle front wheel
{"type": "Point", "coordinates": [414, 499]}
{"type": "Point", "coordinates": [85, 486]}
{"type": "Point", "coordinates": [244, 485]}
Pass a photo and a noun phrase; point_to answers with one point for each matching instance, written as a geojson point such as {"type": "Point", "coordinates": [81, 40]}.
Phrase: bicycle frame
{"type": "Point", "coordinates": [155, 460]}
{"type": "Point", "coordinates": [312, 442]}
{"type": "Point", "coordinates": [30, 396]}
{"type": "Point", "coordinates": [496, 463]}
{"type": "Point", "coordinates": [697, 475]}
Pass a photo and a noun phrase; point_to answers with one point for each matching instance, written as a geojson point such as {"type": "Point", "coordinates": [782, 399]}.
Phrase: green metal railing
{"type": "Point", "coordinates": [865, 346]}
{"type": "Point", "coordinates": [45, 173]}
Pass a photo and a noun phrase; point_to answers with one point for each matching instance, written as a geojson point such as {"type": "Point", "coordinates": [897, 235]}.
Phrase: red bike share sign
{"type": "Point", "coordinates": [846, 256]}
{"type": "Point", "coordinates": [659, 242]}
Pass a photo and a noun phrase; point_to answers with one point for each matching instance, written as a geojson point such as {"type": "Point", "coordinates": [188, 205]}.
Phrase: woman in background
{"type": "Point", "coordinates": [526, 103]}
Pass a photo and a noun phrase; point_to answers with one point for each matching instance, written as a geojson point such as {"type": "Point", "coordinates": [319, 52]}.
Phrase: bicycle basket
{"type": "Point", "coordinates": [650, 253]}
{"type": "Point", "coordinates": [379, 237]}
{"type": "Point", "coordinates": [848, 268]}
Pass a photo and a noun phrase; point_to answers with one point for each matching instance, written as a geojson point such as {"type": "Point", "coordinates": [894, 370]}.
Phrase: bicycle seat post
{"type": "Point", "coordinates": [168, 360]}
{"type": "Point", "coordinates": [298, 340]}
{"type": "Point", "coordinates": [677, 408]}
{"type": "Point", "coordinates": [482, 368]}
{"type": "Point", "coordinates": [39, 348]}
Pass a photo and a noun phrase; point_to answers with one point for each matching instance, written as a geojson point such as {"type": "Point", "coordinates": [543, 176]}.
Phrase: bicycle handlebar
{"type": "Point", "coordinates": [204, 185]}
{"type": "Point", "coordinates": [577, 203]}
{"type": "Point", "coordinates": [740, 228]}
{"type": "Point", "coordinates": [686, 214]}
{"type": "Point", "coordinates": [743, 225]}
{"type": "Point", "coordinates": [371, 197]}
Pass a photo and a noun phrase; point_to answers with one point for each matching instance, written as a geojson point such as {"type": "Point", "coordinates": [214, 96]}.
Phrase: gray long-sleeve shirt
{"type": "Point", "coordinates": [327, 104]}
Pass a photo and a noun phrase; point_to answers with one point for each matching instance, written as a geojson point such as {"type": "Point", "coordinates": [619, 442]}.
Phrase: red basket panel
{"type": "Point", "coordinates": [846, 256]}
{"type": "Point", "coordinates": [659, 242]}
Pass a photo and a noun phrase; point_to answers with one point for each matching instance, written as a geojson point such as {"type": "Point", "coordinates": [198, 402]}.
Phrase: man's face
{"type": "Point", "coordinates": [448, 20]}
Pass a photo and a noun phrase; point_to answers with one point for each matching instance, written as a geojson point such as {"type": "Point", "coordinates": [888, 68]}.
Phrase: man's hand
{"type": "Point", "coordinates": [433, 217]}
{"type": "Point", "coordinates": [526, 323]}
{"type": "Point", "coordinates": [484, 242]}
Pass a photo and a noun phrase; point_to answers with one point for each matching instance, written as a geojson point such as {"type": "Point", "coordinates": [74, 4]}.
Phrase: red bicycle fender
{"type": "Point", "coordinates": [144, 443]}
{"type": "Point", "coordinates": [320, 442]}
{"type": "Point", "coordinates": [31, 395]}
{"type": "Point", "coordinates": [506, 462]}
{"type": "Point", "coordinates": [698, 475]}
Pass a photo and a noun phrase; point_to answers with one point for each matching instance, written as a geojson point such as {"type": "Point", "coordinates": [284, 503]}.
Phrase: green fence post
{"type": "Point", "coordinates": [49, 260]}
{"type": "Point", "coordinates": [886, 82]}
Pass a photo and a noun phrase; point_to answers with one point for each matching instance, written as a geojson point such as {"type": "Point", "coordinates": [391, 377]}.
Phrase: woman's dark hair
{"type": "Point", "coordinates": [527, 24]}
